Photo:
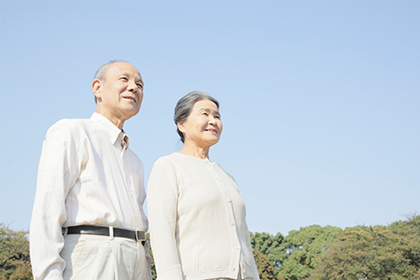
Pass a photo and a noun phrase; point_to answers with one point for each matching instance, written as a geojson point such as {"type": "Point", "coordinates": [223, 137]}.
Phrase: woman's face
{"type": "Point", "coordinates": [203, 126]}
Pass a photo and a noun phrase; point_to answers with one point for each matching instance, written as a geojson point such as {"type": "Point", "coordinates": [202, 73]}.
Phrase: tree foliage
{"type": "Point", "coordinates": [268, 245]}
{"type": "Point", "coordinates": [265, 268]}
{"type": "Point", "coordinates": [379, 252]}
{"type": "Point", "coordinates": [152, 265]}
{"type": "Point", "coordinates": [313, 253]}
{"type": "Point", "coordinates": [14, 254]}
{"type": "Point", "coordinates": [301, 249]}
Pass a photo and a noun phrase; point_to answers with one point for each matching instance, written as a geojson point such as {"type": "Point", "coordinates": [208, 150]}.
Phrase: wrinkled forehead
{"type": "Point", "coordinates": [205, 105]}
{"type": "Point", "coordinates": [122, 68]}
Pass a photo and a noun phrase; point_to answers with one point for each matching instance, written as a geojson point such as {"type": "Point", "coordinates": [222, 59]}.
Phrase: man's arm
{"type": "Point", "coordinates": [58, 169]}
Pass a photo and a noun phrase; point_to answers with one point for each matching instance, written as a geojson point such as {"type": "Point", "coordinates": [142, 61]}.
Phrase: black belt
{"type": "Point", "coordinates": [137, 235]}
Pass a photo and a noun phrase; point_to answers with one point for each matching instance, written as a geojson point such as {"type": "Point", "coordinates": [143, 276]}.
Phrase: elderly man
{"type": "Point", "coordinates": [88, 220]}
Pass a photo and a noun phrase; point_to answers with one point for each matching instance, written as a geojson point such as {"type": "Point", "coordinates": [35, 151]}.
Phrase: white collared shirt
{"type": "Point", "coordinates": [87, 176]}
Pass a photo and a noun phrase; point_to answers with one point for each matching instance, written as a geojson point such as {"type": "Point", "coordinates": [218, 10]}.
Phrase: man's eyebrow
{"type": "Point", "coordinates": [127, 74]}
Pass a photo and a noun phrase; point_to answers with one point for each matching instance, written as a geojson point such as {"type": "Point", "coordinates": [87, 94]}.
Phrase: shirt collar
{"type": "Point", "coordinates": [114, 133]}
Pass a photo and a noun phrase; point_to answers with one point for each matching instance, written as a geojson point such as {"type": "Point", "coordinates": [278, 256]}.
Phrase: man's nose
{"type": "Point", "coordinates": [132, 86]}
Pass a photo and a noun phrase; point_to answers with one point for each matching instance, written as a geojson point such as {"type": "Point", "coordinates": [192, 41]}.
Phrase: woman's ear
{"type": "Point", "coordinates": [97, 88]}
{"type": "Point", "coordinates": [180, 126]}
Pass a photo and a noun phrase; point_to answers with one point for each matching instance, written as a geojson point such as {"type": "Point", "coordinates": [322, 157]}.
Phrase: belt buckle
{"type": "Point", "coordinates": [64, 231]}
{"type": "Point", "coordinates": [140, 236]}
{"type": "Point", "coordinates": [111, 232]}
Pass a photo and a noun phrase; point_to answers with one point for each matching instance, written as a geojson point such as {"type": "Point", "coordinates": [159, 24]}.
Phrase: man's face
{"type": "Point", "coordinates": [120, 93]}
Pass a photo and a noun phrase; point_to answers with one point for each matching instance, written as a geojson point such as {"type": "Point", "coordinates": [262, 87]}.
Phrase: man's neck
{"type": "Point", "coordinates": [115, 120]}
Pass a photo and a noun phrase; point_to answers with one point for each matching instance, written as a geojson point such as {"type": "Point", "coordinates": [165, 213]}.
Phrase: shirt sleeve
{"type": "Point", "coordinates": [162, 195]}
{"type": "Point", "coordinates": [57, 172]}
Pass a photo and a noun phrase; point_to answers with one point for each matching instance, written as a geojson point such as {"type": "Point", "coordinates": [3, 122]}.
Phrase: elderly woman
{"type": "Point", "coordinates": [196, 212]}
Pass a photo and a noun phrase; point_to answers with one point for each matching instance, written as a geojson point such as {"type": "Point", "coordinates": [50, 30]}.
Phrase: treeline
{"type": "Point", "coordinates": [363, 252]}
{"type": "Point", "coordinates": [14, 254]}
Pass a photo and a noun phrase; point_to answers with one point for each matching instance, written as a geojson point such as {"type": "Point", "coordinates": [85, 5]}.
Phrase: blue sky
{"type": "Point", "coordinates": [319, 99]}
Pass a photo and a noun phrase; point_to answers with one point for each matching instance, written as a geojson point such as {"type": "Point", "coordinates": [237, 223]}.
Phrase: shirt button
{"type": "Point", "coordinates": [237, 247]}
{"type": "Point", "coordinates": [232, 222]}
{"type": "Point", "coordinates": [228, 200]}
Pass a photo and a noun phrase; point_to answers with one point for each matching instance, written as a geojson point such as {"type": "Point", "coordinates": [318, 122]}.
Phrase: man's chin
{"type": "Point", "coordinates": [132, 111]}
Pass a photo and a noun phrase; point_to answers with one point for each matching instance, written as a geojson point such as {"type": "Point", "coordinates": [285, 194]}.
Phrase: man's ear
{"type": "Point", "coordinates": [97, 88]}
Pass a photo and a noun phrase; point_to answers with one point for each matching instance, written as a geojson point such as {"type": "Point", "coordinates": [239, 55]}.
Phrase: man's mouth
{"type": "Point", "coordinates": [131, 98]}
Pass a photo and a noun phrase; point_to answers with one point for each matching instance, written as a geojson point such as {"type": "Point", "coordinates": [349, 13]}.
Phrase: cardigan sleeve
{"type": "Point", "coordinates": [162, 201]}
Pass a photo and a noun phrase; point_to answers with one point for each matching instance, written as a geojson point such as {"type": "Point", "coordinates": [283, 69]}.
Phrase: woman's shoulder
{"type": "Point", "coordinates": [170, 159]}
{"type": "Point", "coordinates": [180, 161]}
{"type": "Point", "coordinates": [162, 159]}
{"type": "Point", "coordinates": [177, 158]}
{"type": "Point", "coordinates": [173, 163]}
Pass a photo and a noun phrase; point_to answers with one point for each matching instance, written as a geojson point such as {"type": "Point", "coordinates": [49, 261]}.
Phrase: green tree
{"type": "Point", "coordinates": [152, 265]}
{"type": "Point", "coordinates": [300, 250]}
{"type": "Point", "coordinates": [268, 245]}
{"type": "Point", "coordinates": [265, 268]}
{"type": "Point", "coordinates": [14, 254]}
{"type": "Point", "coordinates": [379, 252]}
{"type": "Point", "coordinates": [23, 272]}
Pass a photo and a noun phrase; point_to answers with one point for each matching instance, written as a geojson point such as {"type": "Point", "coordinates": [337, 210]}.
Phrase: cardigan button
{"type": "Point", "coordinates": [232, 222]}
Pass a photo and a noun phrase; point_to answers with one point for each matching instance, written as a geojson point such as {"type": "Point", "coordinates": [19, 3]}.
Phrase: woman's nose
{"type": "Point", "coordinates": [212, 119]}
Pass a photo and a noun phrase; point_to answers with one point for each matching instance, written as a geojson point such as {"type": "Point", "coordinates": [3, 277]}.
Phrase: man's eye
{"type": "Point", "coordinates": [217, 117]}
{"type": "Point", "coordinates": [124, 78]}
{"type": "Point", "coordinates": [140, 85]}
{"type": "Point", "coordinates": [205, 114]}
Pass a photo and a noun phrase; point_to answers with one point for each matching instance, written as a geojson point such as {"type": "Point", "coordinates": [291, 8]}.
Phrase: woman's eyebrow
{"type": "Point", "coordinates": [209, 111]}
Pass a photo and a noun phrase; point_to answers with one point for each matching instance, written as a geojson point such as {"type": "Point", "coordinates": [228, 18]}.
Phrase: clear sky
{"type": "Point", "coordinates": [319, 99]}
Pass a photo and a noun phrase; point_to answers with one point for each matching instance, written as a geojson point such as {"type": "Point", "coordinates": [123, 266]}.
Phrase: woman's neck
{"type": "Point", "coordinates": [195, 151]}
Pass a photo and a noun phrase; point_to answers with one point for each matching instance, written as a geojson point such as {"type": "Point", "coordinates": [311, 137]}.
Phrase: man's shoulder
{"type": "Point", "coordinates": [69, 122]}
{"type": "Point", "coordinates": [69, 126]}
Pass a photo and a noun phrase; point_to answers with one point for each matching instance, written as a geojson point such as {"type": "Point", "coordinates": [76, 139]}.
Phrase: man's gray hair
{"type": "Point", "coordinates": [101, 73]}
{"type": "Point", "coordinates": [184, 107]}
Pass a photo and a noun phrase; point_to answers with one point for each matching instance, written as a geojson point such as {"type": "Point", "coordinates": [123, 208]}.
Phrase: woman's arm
{"type": "Point", "coordinates": [162, 201]}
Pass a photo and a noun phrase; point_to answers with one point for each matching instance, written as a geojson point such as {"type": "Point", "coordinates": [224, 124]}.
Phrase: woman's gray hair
{"type": "Point", "coordinates": [100, 74]}
{"type": "Point", "coordinates": [184, 107]}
